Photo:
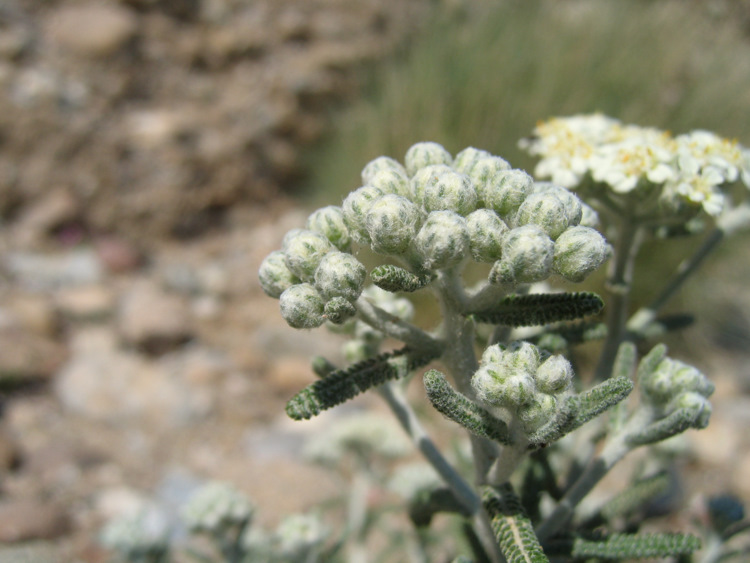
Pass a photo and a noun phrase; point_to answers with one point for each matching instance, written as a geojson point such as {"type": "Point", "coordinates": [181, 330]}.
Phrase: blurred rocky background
{"type": "Point", "coordinates": [152, 152]}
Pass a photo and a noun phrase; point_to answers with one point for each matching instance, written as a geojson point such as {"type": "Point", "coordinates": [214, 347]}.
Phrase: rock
{"type": "Point", "coordinates": [85, 303]}
{"type": "Point", "coordinates": [8, 451]}
{"type": "Point", "coordinates": [46, 272]}
{"type": "Point", "coordinates": [152, 320]}
{"type": "Point", "coordinates": [91, 29]}
{"type": "Point", "coordinates": [31, 519]}
{"type": "Point", "coordinates": [50, 211]}
{"type": "Point", "coordinates": [117, 255]}
{"type": "Point", "coordinates": [33, 312]}
{"type": "Point", "coordinates": [27, 357]}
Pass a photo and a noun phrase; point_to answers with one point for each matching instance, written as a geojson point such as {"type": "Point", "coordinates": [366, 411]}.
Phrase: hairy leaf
{"type": "Point", "coordinates": [671, 425]}
{"type": "Point", "coordinates": [636, 546]}
{"type": "Point", "coordinates": [392, 278]}
{"type": "Point", "coordinates": [458, 408]}
{"type": "Point", "coordinates": [540, 309]}
{"type": "Point", "coordinates": [636, 496]}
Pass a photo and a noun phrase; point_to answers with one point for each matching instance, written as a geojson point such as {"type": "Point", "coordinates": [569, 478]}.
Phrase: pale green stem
{"type": "Point", "coordinates": [393, 326]}
{"type": "Point", "coordinates": [356, 518]}
{"type": "Point", "coordinates": [726, 225]}
{"type": "Point", "coordinates": [619, 282]}
{"type": "Point", "coordinates": [615, 449]}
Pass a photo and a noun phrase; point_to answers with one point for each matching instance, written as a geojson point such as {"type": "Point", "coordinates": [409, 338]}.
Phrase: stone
{"type": "Point", "coordinates": [117, 255]}
{"type": "Point", "coordinates": [53, 209]}
{"type": "Point", "coordinates": [9, 454]}
{"type": "Point", "coordinates": [93, 29]}
{"type": "Point", "coordinates": [86, 303]}
{"type": "Point", "coordinates": [28, 357]}
{"type": "Point", "coordinates": [34, 312]}
{"type": "Point", "coordinates": [153, 320]}
{"type": "Point", "coordinates": [31, 519]}
{"type": "Point", "coordinates": [44, 272]}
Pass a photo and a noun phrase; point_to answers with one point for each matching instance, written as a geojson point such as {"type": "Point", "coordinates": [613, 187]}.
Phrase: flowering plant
{"type": "Point", "coordinates": [513, 387]}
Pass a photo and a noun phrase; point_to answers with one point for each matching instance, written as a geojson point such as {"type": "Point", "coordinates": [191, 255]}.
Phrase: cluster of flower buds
{"type": "Point", "coordinates": [433, 212]}
{"type": "Point", "coordinates": [215, 507]}
{"type": "Point", "coordinates": [299, 536]}
{"type": "Point", "coordinates": [689, 169]}
{"type": "Point", "coordinates": [674, 385]}
{"type": "Point", "coordinates": [524, 380]}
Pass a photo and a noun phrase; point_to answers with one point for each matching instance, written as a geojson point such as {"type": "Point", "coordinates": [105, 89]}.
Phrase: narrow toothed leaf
{"type": "Point", "coordinates": [540, 309]}
{"type": "Point", "coordinates": [563, 422]}
{"type": "Point", "coordinates": [341, 385]}
{"type": "Point", "coordinates": [636, 496]}
{"type": "Point", "coordinates": [392, 278]}
{"type": "Point", "coordinates": [458, 408]}
{"type": "Point", "coordinates": [624, 365]}
{"type": "Point", "coordinates": [676, 423]}
{"type": "Point", "coordinates": [598, 399]}
{"type": "Point", "coordinates": [651, 361]}
{"type": "Point", "coordinates": [636, 546]}
{"type": "Point", "coordinates": [511, 526]}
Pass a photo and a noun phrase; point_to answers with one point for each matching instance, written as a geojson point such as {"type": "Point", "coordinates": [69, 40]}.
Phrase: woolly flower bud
{"type": "Point", "coordinates": [486, 231]}
{"type": "Point", "coordinates": [484, 172]}
{"type": "Point", "coordinates": [503, 388]}
{"type": "Point", "coordinates": [380, 164]}
{"type": "Point", "coordinates": [493, 354]}
{"type": "Point", "coordinates": [392, 222]}
{"type": "Point", "coordinates": [302, 306]}
{"type": "Point", "coordinates": [573, 204]}
{"type": "Point", "coordinates": [424, 154]}
{"type": "Point", "coordinates": [274, 275]}
{"type": "Point", "coordinates": [329, 221]}
{"type": "Point", "coordinates": [467, 159]}
{"type": "Point", "coordinates": [304, 251]}
{"type": "Point", "coordinates": [340, 275]}
{"type": "Point", "coordinates": [540, 410]}
{"type": "Point", "coordinates": [694, 402]}
{"type": "Point", "coordinates": [589, 217]}
{"type": "Point", "coordinates": [526, 258]}
{"type": "Point", "coordinates": [412, 479]}
{"type": "Point", "coordinates": [389, 302]}
{"type": "Point", "coordinates": [578, 252]}
{"type": "Point", "coordinates": [672, 378]}
{"type": "Point", "coordinates": [391, 182]}
{"type": "Point", "coordinates": [506, 191]}
{"type": "Point", "coordinates": [451, 192]}
{"type": "Point", "coordinates": [299, 534]}
{"type": "Point", "coordinates": [339, 310]}
{"type": "Point", "coordinates": [216, 506]}
{"type": "Point", "coordinates": [545, 210]}
{"type": "Point", "coordinates": [443, 240]}
{"type": "Point", "coordinates": [425, 177]}
{"type": "Point", "coordinates": [144, 533]}
{"type": "Point", "coordinates": [356, 205]}
{"type": "Point", "coordinates": [554, 375]}
{"type": "Point", "coordinates": [356, 350]}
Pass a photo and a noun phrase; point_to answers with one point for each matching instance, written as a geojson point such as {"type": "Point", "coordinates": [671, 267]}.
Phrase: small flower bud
{"type": "Point", "coordinates": [503, 388]}
{"type": "Point", "coordinates": [545, 210]}
{"type": "Point", "coordinates": [689, 378]}
{"type": "Point", "coordinates": [484, 172]}
{"type": "Point", "coordinates": [356, 350]}
{"type": "Point", "coordinates": [392, 221]}
{"type": "Point", "coordinates": [468, 158]}
{"type": "Point", "coordinates": [355, 206]}
{"type": "Point", "coordinates": [302, 306]}
{"type": "Point", "coordinates": [506, 191]}
{"type": "Point", "coordinates": [304, 251]}
{"type": "Point", "coordinates": [554, 375]}
{"type": "Point", "coordinates": [694, 402]}
{"type": "Point", "coordinates": [425, 177]}
{"type": "Point", "coordinates": [522, 356]}
{"type": "Point", "coordinates": [329, 221]}
{"type": "Point", "coordinates": [399, 306]}
{"type": "Point", "coordinates": [672, 378]}
{"type": "Point", "coordinates": [339, 310]}
{"type": "Point", "coordinates": [424, 154]}
{"type": "Point", "coordinates": [493, 354]}
{"type": "Point", "coordinates": [538, 412]}
{"type": "Point", "coordinates": [216, 506]}
{"type": "Point", "coordinates": [573, 205]}
{"type": "Point", "coordinates": [451, 192]}
{"type": "Point", "coordinates": [274, 275]}
{"type": "Point", "coordinates": [486, 231]}
{"type": "Point", "coordinates": [340, 275]}
{"type": "Point", "coordinates": [299, 535]}
{"type": "Point", "coordinates": [589, 217]}
{"type": "Point", "coordinates": [443, 240]}
{"type": "Point", "coordinates": [391, 182]}
{"type": "Point", "coordinates": [527, 257]}
{"type": "Point", "coordinates": [380, 164]}
{"type": "Point", "coordinates": [578, 252]}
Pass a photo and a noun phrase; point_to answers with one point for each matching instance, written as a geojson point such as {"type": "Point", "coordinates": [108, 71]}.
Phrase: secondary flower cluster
{"type": "Point", "coordinates": [433, 213]}
{"type": "Point", "coordinates": [689, 168]}
{"type": "Point", "coordinates": [523, 379]}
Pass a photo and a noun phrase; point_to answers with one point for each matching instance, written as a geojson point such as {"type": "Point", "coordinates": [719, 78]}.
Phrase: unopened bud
{"type": "Point", "coordinates": [339, 310]}
{"type": "Point", "coordinates": [391, 182]}
{"type": "Point", "coordinates": [392, 222]}
{"type": "Point", "coordinates": [467, 159]}
{"type": "Point", "coordinates": [554, 375]}
{"type": "Point", "coordinates": [486, 231]}
{"type": "Point", "coordinates": [503, 388]}
{"type": "Point", "coordinates": [484, 172]}
{"type": "Point", "coordinates": [304, 251]}
{"type": "Point", "coordinates": [380, 164]}
{"type": "Point", "coordinates": [578, 252]}
{"type": "Point", "coordinates": [538, 412]}
{"type": "Point", "coordinates": [573, 204]}
{"type": "Point", "coordinates": [443, 240]}
{"type": "Point", "coordinates": [426, 177]}
{"type": "Point", "coordinates": [329, 221]}
{"type": "Point", "coordinates": [450, 192]}
{"type": "Point", "coordinates": [506, 191]}
{"type": "Point", "coordinates": [527, 257]}
{"type": "Point", "coordinates": [274, 275]}
{"type": "Point", "coordinates": [340, 275]}
{"type": "Point", "coordinates": [355, 206]}
{"type": "Point", "coordinates": [695, 403]}
{"type": "Point", "coordinates": [302, 306]}
{"type": "Point", "coordinates": [544, 210]}
{"type": "Point", "coordinates": [424, 154]}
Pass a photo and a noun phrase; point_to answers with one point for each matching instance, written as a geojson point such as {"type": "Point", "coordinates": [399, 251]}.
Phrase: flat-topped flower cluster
{"type": "Point", "coordinates": [688, 168]}
{"type": "Point", "coordinates": [432, 213]}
